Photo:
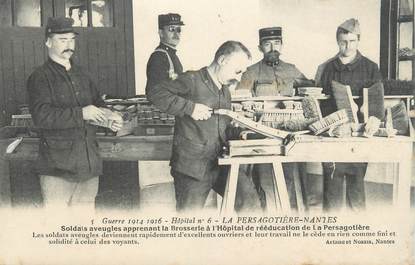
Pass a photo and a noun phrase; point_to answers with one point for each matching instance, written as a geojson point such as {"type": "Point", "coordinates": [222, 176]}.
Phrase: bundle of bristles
{"type": "Point", "coordinates": [292, 116]}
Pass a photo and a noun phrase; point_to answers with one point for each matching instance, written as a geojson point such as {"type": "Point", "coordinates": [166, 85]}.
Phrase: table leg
{"type": "Point", "coordinates": [5, 189]}
{"type": "Point", "coordinates": [401, 195]}
{"type": "Point", "coordinates": [274, 206]}
{"type": "Point", "coordinates": [228, 202]}
{"type": "Point", "coordinates": [395, 172]}
{"type": "Point", "coordinates": [298, 188]}
{"type": "Point", "coordinates": [281, 187]}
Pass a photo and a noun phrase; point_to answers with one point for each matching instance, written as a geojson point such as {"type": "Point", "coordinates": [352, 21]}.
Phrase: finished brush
{"type": "Point", "coordinates": [336, 118]}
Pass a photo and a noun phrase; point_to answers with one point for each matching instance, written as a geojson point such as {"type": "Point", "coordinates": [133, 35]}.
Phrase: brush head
{"type": "Point", "coordinates": [286, 119]}
{"type": "Point", "coordinates": [311, 108]}
{"type": "Point", "coordinates": [336, 118]}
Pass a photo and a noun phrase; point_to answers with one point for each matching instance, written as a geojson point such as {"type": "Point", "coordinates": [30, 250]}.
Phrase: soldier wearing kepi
{"type": "Point", "coordinates": [271, 77]}
{"type": "Point", "coordinates": [63, 100]}
{"type": "Point", "coordinates": [348, 67]}
{"type": "Point", "coordinates": [164, 63]}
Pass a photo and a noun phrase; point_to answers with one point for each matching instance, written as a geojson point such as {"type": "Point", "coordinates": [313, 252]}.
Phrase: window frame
{"type": "Point", "coordinates": [89, 14]}
{"type": "Point", "coordinates": [13, 10]}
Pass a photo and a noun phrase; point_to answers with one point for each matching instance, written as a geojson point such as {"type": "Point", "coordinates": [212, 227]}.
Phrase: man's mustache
{"type": "Point", "coordinates": [68, 50]}
{"type": "Point", "coordinates": [275, 53]}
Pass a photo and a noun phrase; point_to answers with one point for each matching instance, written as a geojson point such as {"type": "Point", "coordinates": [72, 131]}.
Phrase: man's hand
{"type": "Point", "coordinates": [117, 122]}
{"type": "Point", "coordinates": [201, 112]}
{"type": "Point", "coordinates": [92, 113]}
{"type": "Point", "coordinates": [244, 134]}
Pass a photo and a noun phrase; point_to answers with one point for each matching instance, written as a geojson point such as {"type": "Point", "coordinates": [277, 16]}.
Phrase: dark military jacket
{"type": "Point", "coordinates": [158, 66]}
{"type": "Point", "coordinates": [196, 144]}
{"type": "Point", "coordinates": [68, 147]}
{"type": "Point", "coordinates": [358, 74]}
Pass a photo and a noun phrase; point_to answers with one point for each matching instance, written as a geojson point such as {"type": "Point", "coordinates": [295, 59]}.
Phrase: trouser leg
{"type": "Point", "coordinates": [85, 193]}
{"type": "Point", "coordinates": [191, 193]}
{"type": "Point", "coordinates": [256, 178]}
{"type": "Point", "coordinates": [247, 197]}
{"type": "Point", "coordinates": [60, 192]}
{"type": "Point", "coordinates": [333, 179]}
{"type": "Point", "coordinates": [263, 176]}
{"type": "Point", "coordinates": [288, 169]}
{"type": "Point", "coordinates": [355, 186]}
{"type": "Point", "coordinates": [56, 191]}
{"type": "Point", "coordinates": [246, 194]}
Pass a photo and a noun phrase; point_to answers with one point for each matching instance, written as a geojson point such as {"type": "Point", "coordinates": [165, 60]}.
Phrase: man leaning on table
{"type": "Point", "coordinates": [198, 135]}
{"type": "Point", "coordinates": [63, 101]}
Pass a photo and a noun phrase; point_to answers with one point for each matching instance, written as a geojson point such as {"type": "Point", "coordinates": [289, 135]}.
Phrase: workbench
{"type": "Point", "coordinates": [397, 150]}
{"type": "Point", "coordinates": [126, 148]}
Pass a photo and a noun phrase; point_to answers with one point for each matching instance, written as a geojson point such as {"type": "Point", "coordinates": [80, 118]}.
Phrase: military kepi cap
{"type": "Point", "coordinates": [351, 25]}
{"type": "Point", "coordinates": [59, 25]}
{"type": "Point", "coordinates": [170, 19]}
{"type": "Point", "coordinates": [270, 33]}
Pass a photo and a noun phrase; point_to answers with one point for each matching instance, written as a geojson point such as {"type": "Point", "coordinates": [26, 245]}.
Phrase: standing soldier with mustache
{"type": "Point", "coordinates": [271, 77]}
{"type": "Point", "coordinates": [62, 101]}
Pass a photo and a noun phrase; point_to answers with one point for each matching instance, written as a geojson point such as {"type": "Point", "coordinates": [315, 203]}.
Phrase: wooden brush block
{"type": "Point", "coordinates": [311, 108]}
{"type": "Point", "coordinates": [373, 102]}
{"type": "Point", "coordinates": [344, 100]}
{"type": "Point", "coordinates": [255, 147]}
{"type": "Point", "coordinates": [400, 118]}
{"type": "Point", "coordinates": [265, 89]}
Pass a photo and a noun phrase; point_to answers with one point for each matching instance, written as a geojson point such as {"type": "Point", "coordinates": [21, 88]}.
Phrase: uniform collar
{"type": "Point", "coordinates": [60, 66]}
{"type": "Point", "coordinates": [209, 81]}
{"type": "Point", "coordinates": [272, 64]}
{"type": "Point", "coordinates": [212, 78]}
{"type": "Point", "coordinates": [167, 47]}
{"type": "Point", "coordinates": [278, 64]}
{"type": "Point", "coordinates": [347, 67]}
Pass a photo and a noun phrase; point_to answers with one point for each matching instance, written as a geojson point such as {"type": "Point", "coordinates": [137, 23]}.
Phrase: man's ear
{"type": "Point", "coordinates": [222, 60]}
{"type": "Point", "coordinates": [48, 42]}
{"type": "Point", "coordinates": [161, 34]}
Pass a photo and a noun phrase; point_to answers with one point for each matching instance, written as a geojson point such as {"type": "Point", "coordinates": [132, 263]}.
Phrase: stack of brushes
{"type": "Point", "coordinates": [294, 116]}
{"type": "Point", "coordinates": [22, 120]}
{"type": "Point", "coordinates": [152, 115]}
{"type": "Point", "coordinates": [286, 119]}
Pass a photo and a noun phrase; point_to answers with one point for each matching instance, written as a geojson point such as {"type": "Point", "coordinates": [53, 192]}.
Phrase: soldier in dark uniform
{"type": "Point", "coordinates": [272, 77]}
{"type": "Point", "coordinates": [348, 67]}
{"type": "Point", "coordinates": [164, 63]}
{"type": "Point", "coordinates": [63, 100]}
